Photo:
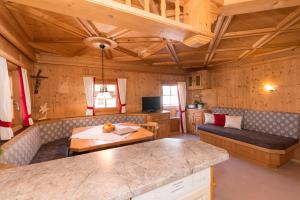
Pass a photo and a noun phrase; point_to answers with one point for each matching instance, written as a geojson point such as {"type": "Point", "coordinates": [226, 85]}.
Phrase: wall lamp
{"type": "Point", "coordinates": [269, 88]}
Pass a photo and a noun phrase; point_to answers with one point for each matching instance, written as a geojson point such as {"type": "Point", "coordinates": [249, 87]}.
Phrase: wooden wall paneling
{"type": "Point", "coordinates": [63, 90]}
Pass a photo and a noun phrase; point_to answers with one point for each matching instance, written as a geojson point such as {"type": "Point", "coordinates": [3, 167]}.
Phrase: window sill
{"type": "Point", "coordinates": [101, 111]}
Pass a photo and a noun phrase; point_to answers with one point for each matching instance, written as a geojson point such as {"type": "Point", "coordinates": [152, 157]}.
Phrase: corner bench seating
{"type": "Point", "coordinates": [267, 138]}
{"type": "Point", "coordinates": [21, 149]}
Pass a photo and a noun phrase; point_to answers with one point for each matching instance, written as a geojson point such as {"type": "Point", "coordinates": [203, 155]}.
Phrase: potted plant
{"type": "Point", "coordinates": [199, 104]}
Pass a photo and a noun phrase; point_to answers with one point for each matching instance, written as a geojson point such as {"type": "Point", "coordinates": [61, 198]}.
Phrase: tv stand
{"type": "Point", "coordinates": [164, 122]}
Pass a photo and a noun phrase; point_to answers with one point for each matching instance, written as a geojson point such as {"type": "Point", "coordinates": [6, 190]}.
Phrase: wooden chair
{"type": "Point", "coordinates": [151, 126]}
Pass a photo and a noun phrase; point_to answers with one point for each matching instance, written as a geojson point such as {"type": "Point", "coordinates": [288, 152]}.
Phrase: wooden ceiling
{"type": "Point", "coordinates": [236, 36]}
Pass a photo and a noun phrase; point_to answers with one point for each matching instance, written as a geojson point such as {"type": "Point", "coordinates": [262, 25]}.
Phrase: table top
{"type": "Point", "coordinates": [82, 145]}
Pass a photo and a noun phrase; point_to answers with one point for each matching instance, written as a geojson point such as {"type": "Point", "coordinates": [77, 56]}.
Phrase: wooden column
{"type": "Point", "coordinates": [163, 7]}
{"type": "Point", "coordinates": [197, 14]}
{"type": "Point", "coordinates": [177, 10]}
{"type": "Point", "coordinates": [128, 2]}
{"type": "Point", "coordinates": [147, 5]}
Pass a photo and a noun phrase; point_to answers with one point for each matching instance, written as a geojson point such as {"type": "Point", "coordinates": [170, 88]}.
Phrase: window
{"type": "Point", "coordinates": [106, 103]}
{"type": "Point", "coordinates": [170, 96]}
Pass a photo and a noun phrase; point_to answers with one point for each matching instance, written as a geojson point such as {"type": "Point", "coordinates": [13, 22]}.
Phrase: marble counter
{"type": "Point", "coordinates": [114, 174]}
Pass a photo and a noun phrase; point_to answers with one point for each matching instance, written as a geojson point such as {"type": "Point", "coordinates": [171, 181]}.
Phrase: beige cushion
{"type": "Point", "coordinates": [233, 122]}
{"type": "Point", "coordinates": [209, 118]}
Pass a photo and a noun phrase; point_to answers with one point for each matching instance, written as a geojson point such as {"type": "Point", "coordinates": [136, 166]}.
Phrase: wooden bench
{"type": "Point", "coordinates": [263, 156]}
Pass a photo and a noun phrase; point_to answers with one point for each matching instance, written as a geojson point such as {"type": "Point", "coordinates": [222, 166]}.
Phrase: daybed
{"type": "Point", "coordinates": [268, 138]}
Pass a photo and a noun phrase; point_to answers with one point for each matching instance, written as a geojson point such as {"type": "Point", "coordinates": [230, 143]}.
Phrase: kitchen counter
{"type": "Point", "coordinates": [114, 174]}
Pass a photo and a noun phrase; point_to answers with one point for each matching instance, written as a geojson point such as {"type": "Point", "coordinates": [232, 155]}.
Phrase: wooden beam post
{"type": "Point", "coordinates": [128, 2]}
{"type": "Point", "coordinates": [147, 5]}
{"type": "Point", "coordinates": [172, 51]}
{"type": "Point", "coordinates": [177, 10]}
{"type": "Point", "coordinates": [163, 8]}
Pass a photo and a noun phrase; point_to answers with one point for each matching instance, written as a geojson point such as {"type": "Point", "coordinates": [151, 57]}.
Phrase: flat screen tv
{"type": "Point", "coordinates": [151, 104]}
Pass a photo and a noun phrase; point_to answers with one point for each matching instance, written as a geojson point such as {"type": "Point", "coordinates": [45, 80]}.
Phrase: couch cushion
{"type": "Point", "coordinates": [276, 123]}
{"type": "Point", "coordinates": [256, 138]}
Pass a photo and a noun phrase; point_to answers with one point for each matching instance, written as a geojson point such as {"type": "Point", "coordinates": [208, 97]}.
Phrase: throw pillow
{"type": "Point", "coordinates": [219, 119]}
{"type": "Point", "coordinates": [209, 118]}
{"type": "Point", "coordinates": [233, 122]}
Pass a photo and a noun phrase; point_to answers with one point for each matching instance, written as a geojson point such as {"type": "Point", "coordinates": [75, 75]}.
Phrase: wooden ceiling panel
{"type": "Point", "coordinates": [238, 42]}
{"type": "Point", "coordinates": [39, 31]}
{"type": "Point", "coordinates": [258, 20]}
{"type": "Point", "coordinates": [285, 39]}
{"type": "Point", "coordinates": [136, 47]}
{"type": "Point", "coordinates": [227, 55]}
{"type": "Point", "coordinates": [104, 28]}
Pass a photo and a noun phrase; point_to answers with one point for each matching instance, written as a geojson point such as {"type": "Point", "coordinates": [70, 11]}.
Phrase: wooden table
{"type": "Point", "coordinates": [83, 145]}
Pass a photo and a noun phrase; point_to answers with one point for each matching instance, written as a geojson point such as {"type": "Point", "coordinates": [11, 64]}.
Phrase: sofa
{"type": "Point", "coordinates": [267, 138]}
{"type": "Point", "coordinates": [21, 149]}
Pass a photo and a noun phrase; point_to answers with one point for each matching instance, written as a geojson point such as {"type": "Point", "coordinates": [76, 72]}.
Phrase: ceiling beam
{"type": "Point", "coordinates": [119, 15]}
{"type": "Point", "coordinates": [237, 7]}
{"type": "Point", "coordinates": [10, 30]}
{"type": "Point", "coordinates": [220, 29]}
{"type": "Point", "coordinates": [86, 27]}
{"type": "Point", "coordinates": [117, 32]}
{"type": "Point", "coordinates": [287, 22]}
{"type": "Point", "coordinates": [276, 51]}
{"type": "Point", "coordinates": [152, 49]}
{"type": "Point", "coordinates": [172, 52]}
{"type": "Point", "coordinates": [138, 39]}
{"type": "Point", "coordinates": [126, 51]}
{"type": "Point", "coordinates": [255, 32]}
{"type": "Point", "coordinates": [45, 18]}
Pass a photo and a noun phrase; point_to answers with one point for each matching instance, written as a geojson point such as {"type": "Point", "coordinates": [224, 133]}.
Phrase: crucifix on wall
{"type": "Point", "coordinates": [38, 79]}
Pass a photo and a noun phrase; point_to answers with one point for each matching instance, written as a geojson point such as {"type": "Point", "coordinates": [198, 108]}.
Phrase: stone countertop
{"type": "Point", "coordinates": [114, 174]}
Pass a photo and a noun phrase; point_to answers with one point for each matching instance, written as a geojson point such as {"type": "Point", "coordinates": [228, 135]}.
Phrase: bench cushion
{"type": "Point", "coordinates": [275, 123]}
{"type": "Point", "coordinates": [251, 137]}
{"type": "Point", "coordinates": [229, 111]}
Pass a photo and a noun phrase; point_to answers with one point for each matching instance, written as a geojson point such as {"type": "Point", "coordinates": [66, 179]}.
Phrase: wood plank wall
{"type": "Point", "coordinates": [64, 92]}
{"type": "Point", "coordinates": [242, 86]}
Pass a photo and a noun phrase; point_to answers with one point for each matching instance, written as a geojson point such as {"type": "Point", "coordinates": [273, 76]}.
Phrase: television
{"type": "Point", "coordinates": [151, 104]}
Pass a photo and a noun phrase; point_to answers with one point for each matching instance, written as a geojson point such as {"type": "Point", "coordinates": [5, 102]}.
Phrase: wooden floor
{"type": "Point", "coordinates": [238, 179]}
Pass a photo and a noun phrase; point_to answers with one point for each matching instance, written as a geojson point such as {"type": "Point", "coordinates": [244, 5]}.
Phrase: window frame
{"type": "Point", "coordinates": [106, 110]}
{"type": "Point", "coordinates": [169, 106]}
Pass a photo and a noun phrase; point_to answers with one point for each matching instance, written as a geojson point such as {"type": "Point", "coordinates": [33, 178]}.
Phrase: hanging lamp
{"type": "Point", "coordinates": [103, 94]}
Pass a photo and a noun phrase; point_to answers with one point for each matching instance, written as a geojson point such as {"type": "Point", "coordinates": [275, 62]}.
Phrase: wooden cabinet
{"type": "Point", "coordinates": [198, 80]}
{"type": "Point", "coordinates": [163, 119]}
{"type": "Point", "coordinates": [194, 118]}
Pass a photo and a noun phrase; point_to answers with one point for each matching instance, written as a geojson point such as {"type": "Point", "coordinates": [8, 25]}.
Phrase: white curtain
{"type": "Point", "coordinates": [89, 95]}
{"type": "Point", "coordinates": [121, 85]}
{"type": "Point", "coordinates": [6, 132]}
{"type": "Point", "coordinates": [182, 105]}
{"type": "Point", "coordinates": [26, 97]}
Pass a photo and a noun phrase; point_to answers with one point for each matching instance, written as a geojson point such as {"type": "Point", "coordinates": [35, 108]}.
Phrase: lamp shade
{"type": "Point", "coordinates": [104, 95]}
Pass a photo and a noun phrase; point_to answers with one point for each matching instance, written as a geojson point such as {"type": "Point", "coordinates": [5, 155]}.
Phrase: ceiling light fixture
{"type": "Point", "coordinates": [103, 94]}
